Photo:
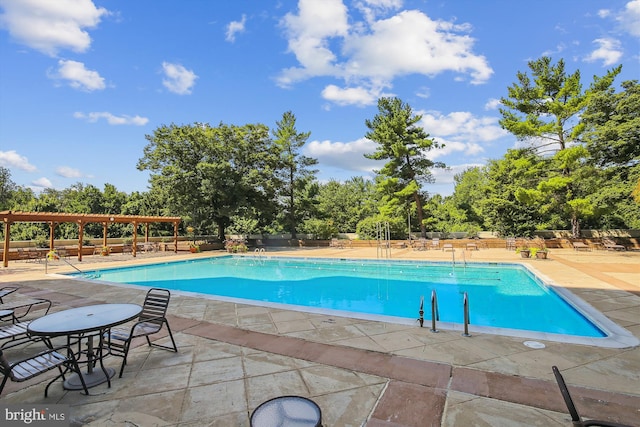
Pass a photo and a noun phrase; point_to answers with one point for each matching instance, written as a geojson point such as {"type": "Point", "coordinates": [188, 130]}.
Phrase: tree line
{"type": "Point", "coordinates": [578, 167]}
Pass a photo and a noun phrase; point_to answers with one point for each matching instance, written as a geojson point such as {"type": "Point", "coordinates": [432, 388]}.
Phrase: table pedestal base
{"type": "Point", "coordinates": [90, 379]}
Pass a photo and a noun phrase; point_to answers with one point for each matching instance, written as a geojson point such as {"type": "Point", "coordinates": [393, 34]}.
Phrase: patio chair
{"type": "Point", "coordinates": [575, 417]}
{"type": "Point", "coordinates": [420, 244]}
{"type": "Point", "coordinates": [21, 306]}
{"type": "Point", "coordinates": [14, 332]}
{"type": "Point", "coordinates": [22, 255]}
{"type": "Point", "coordinates": [47, 360]}
{"type": "Point", "coordinates": [435, 243]}
{"type": "Point", "coordinates": [6, 290]}
{"type": "Point", "coordinates": [150, 321]}
{"type": "Point", "coordinates": [511, 243]}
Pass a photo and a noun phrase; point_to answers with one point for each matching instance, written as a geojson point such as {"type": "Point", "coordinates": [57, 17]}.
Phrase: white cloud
{"type": "Point", "coordinates": [492, 104]}
{"type": "Point", "coordinates": [309, 33]}
{"type": "Point", "coordinates": [68, 172]}
{"type": "Point", "coordinates": [112, 119]}
{"type": "Point", "coordinates": [78, 77]}
{"type": "Point", "coordinates": [371, 54]}
{"type": "Point", "coordinates": [49, 26]}
{"type": "Point", "coordinates": [41, 183]}
{"type": "Point", "coordinates": [178, 79]}
{"type": "Point", "coordinates": [351, 95]}
{"type": "Point", "coordinates": [630, 18]}
{"type": "Point", "coordinates": [11, 159]}
{"type": "Point", "coordinates": [344, 155]}
{"type": "Point", "coordinates": [235, 27]}
{"type": "Point", "coordinates": [603, 13]}
{"type": "Point", "coordinates": [460, 132]}
{"type": "Point", "coordinates": [609, 51]}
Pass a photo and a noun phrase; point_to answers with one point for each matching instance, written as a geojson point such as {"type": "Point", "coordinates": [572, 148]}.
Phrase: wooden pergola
{"type": "Point", "coordinates": [55, 218]}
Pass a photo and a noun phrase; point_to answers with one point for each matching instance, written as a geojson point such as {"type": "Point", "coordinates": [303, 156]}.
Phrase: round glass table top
{"type": "Point", "coordinates": [287, 411]}
{"type": "Point", "coordinates": [84, 319]}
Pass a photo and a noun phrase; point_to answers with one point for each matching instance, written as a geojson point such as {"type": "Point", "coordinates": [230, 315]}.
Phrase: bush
{"type": "Point", "coordinates": [321, 229]}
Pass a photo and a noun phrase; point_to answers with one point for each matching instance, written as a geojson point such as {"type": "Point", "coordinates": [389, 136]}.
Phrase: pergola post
{"type": "Point", "coordinates": [175, 236]}
{"type": "Point", "coordinates": [134, 249]}
{"type": "Point", "coordinates": [7, 240]}
{"type": "Point", "coordinates": [80, 237]}
{"type": "Point", "coordinates": [105, 226]}
{"type": "Point", "coordinates": [52, 229]}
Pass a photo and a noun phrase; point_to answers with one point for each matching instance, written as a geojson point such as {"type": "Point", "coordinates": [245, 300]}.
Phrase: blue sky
{"type": "Point", "coordinates": [82, 82]}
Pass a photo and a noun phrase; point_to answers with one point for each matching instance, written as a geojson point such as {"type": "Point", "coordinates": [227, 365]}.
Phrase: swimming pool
{"type": "Point", "coordinates": [508, 297]}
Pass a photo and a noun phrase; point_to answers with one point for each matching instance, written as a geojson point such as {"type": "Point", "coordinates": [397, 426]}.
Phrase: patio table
{"type": "Point", "coordinates": [86, 322]}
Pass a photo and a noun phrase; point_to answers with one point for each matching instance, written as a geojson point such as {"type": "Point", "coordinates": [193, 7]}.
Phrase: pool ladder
{"type": "Point", "coordinates": [435, 314]}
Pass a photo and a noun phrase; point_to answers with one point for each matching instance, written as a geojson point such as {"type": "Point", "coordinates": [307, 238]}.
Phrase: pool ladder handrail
{"type": "Point", "coordinates": [465, 306]}
{"type": "Point", "coordinates": [435, 314]}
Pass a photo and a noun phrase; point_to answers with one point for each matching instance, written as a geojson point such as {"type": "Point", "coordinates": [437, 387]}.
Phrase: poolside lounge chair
{"type": "Point", "coordinates": [575, 417]}
{"type": "Point", "coordinates": [472, 247]}
{"type": "Point", "coordinates": [611, 245]}
{"type": "Point", "coordinates": [580, 246]}
{"type": "Point", "coordinates": [420, 244]}
{"type": "Point", "coordinates": [510, 243]}
{"type": "Point", "coordinates": [150, 321]}
{"type": "Point", "coordinates": [47, 360]}
{"type": "Point", "coordinates": [447, 247]}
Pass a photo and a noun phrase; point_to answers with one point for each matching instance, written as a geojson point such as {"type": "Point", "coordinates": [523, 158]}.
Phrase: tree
{"type": "Point", "coordinates": [347, 203]}
{"type": "Point", "coordinates": [294, 170]}
{"type": "Point", "coordinates": [7, 188]}
{"type": "Point", "coordinates": [208, 174]}
{"type": "Point", "coordinates": [612, 126]}
{"type": "Point", "coordinates": [404, 145]}
{"type": "Point", "coordinates": [545, 112]}
{"type": "Point", "coordinates": [501, 211]}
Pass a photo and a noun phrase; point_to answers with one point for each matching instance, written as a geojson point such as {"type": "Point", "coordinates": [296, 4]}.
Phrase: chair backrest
{"type": "Point", "coordinates": [155, 305]}
{"type": "Point", "coordinates": [575, 417]}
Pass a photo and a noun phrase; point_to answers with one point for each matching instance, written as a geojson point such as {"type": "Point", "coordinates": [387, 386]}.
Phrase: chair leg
{"type": "Point", "coordinates": [173, 346]}
{"type": "Point", "coordinates": [124, 356]}
{"type": "Point", "coordinates": [4, 381]}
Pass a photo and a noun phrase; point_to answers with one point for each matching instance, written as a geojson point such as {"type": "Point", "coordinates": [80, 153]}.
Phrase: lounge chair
{"type": "Point", "coordinates": [25, 369]}
{"type": "Point", "coordinates": [472, 247]}
{"type": "Point", "coordinates": [575, 417]}
{"type": "Point", "coordinates": [580, 246]}
{"type": "Point", "coordinates": [510, 243]}
{"type": "Point", "coordinates": [611, 245]}
{"type": "Point", "coordinates": [447, 247]}
{"type": "Point", "coordinates": [150, 321]}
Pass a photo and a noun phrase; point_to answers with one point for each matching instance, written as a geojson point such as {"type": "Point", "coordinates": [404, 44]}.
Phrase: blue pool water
{"type": "Point", "coordinates": [500, 295]}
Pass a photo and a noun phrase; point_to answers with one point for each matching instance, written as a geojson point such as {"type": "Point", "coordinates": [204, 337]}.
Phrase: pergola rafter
{"type": "Point", "coordinates": [55, 218]}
